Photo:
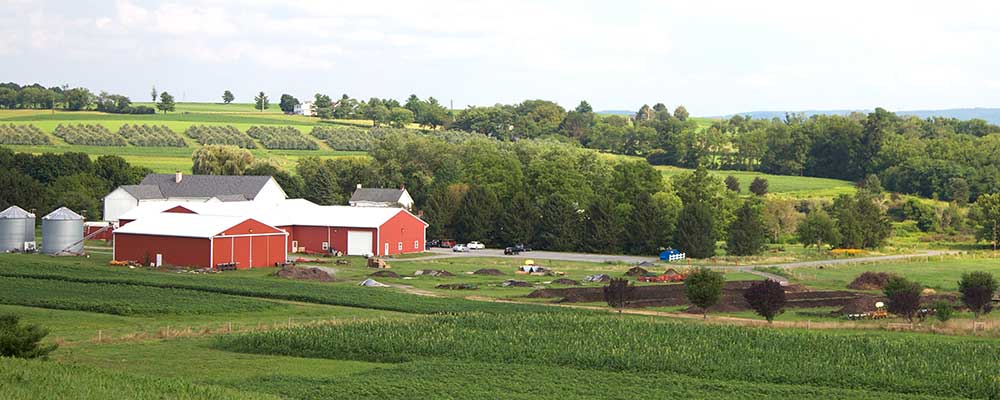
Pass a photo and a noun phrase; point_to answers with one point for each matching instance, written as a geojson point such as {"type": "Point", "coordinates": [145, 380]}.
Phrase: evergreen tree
{"type": "Point", "coordinates": [558, 224]}
{"type": "Point", "coordinates": [647, 227]}
{"type": "Point", "coordinates": [602, 229]}
{"type": "Point", "coordinates": [758, 186]}
{"type": "Point", "coordinates": [746, 233]}
{"type": "Point", "coordinates": [474, 218]}
{"type": "Point", "coordinates": [695, 231]}
{"type": "Point", "coordinates": [518, 221]}
{"type": "Point", "coordinates": [733, 184]}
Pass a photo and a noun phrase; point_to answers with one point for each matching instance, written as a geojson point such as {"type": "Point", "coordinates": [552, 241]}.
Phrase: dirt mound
{"type": "Point", "coordinates": [871, 281]}
{"type": "Point", "coordinates": [457, 286]}
{"type": "Point", "coordinates": [565, 281]}
{"type": "Point", "coordinates": [385, 274]}
{"type": "Point", "coordinates": [307, 274]}
{"type": "Point", "coordinates": [861, 305]}
{"type": "Point", "coordinates": [488, 271]}
{"type": "Point", "coordinates": [514, 283]}
{"type": "Point", "coordinates": [433, 272]}
{"type": "Point", "coordinates": [636, 271]}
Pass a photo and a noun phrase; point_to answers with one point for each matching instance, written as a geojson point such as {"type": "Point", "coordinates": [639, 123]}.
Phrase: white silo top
{"type": "Point", "coordinates": [62, 213]}
{"type": "Point", "coordinates": [15, 212]}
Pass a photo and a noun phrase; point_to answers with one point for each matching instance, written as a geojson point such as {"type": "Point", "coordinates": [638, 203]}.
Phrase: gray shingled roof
{"type": "Point", "coordinates": [143, 192]}
{"type": "Point", "coordinates": [377, 195]}
{"type": "Point", "coordinates": [206, 185]}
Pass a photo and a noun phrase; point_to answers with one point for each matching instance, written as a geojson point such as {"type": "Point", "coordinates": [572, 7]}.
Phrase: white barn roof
{"type": "Point", "coordinates": [182, 225]}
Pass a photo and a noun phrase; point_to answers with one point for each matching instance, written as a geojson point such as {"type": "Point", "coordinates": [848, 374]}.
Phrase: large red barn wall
{"type": "Point", "coordinates": [267, 250]}
{"type": "Point", "coordinates": [405, 228]}
{"type": "Point", "coordinates": [312, 237]}
{"type": "Point", "coordinates": [251, 226]}
{"type": "Point", "coordinates": [179, 251]}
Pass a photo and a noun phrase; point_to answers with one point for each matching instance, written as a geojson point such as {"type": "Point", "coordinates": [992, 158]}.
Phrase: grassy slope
{"type": "Point", "coordinates": [791, 186]}
{"type": "Point", "coordinates": [938, 273]}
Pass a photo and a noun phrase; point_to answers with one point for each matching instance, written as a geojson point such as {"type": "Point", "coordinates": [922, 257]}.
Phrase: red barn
{"type": "Point", "coordinates": [184, 239]}
{"type": "Point", "coordinates": [359, 231]}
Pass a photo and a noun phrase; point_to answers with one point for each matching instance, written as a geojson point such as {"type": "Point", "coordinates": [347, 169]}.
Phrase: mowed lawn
{"type": "Point", "coordinates": [792, 186]}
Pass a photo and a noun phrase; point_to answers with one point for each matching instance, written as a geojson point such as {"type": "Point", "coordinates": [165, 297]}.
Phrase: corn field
{"type": "Point", "coordinates": [879, 362]}
{"type": "Point", "coordinates": [23, 134]}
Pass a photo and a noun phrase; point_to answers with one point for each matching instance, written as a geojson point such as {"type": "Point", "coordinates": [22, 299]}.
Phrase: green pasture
{"type": "Point", "coordinates": [785, 185]}
{"type": "Point", "coordinates": [196, 107]}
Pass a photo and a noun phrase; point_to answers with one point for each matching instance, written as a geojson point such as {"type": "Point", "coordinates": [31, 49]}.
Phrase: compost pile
{"type": "Point", "coordinates": [565, 281]}
{"type": "Point", "coordinates": [457, 286]}
{"type": "Point", "coordinates": [871, 281]}
{"type": "Point", "coordinates": [514, 283]}
{"type": "Point", "coordinates": [637, 271]}
{"type": "Point", "coordinates": [385, 274]}
{"type": "Point", "coordinates": [488, 271]}
{"type": "Point", "coordinates": [307, 274]}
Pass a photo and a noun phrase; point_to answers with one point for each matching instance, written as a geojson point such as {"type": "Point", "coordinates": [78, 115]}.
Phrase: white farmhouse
{"type": "Point", "coordinates": [304, 108]}
{"type": "Point", "coordinates": [191, 188]}
{"type": "Point", "coordinates": [378, 197]}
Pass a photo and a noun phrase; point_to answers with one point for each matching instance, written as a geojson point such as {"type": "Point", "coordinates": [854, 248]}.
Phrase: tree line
{"type": "Point", "coordinates": [48, 181]}
{"type": "Point", "coordinates": [36, 96]}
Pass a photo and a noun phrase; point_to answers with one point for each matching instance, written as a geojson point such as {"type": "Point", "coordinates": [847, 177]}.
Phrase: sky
{"type": "Point", "coordinates": [713, 57]}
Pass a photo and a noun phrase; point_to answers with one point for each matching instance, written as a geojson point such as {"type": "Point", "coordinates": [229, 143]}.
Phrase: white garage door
{"type": "Point", "coordinates": [359, 243]}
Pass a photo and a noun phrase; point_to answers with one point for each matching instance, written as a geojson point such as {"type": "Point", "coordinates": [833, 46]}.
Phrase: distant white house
{"type": "Point", "coordinates": [191, 188]}
{"type": "Point", "coordinates": [378, 197]}
{"type": "Point", "coordinates": [305, 108]}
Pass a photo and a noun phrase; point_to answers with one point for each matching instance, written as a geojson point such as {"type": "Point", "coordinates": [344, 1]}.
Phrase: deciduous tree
{"type": "Point", "coordinates": [227, 97]}
{"type": "Point", "coordinates": [221, 160]}
{"type": "Point", "coordinates": [766, 298]}
{"type": "Point", "coordinates": [904, 297]}
{"type": "Point", "coordinates": [977, 290]}
{"type": "Point", "coordinates": [758, 186]}
{"type": "Point", "coordinates": [166, 102]}
{"type": "Point", "coordinates": [703, 288]}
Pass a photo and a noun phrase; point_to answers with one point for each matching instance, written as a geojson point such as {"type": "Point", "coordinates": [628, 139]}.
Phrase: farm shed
{"type": "Point", "coordinates": [314, 228]}
{"type": "Point", "coordinates": [186, 239]}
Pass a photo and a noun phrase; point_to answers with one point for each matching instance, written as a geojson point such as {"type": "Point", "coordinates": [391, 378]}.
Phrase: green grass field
{"type": "Point", "coordinates": [790, 186]}
{"type": "Point", "coordinates": [939, 273]}
{"type": "Point", "coordinates": [192, 107]}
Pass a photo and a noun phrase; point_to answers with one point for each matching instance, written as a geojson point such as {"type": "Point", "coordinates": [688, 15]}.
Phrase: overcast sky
{"type": "Point", "coordinates": [714, 57]}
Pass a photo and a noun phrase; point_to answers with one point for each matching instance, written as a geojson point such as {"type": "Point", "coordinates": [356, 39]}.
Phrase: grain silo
{"type": "Point", "coordinates": [16, 227]}
{"type": "Point", "coordinates": [62, 232]}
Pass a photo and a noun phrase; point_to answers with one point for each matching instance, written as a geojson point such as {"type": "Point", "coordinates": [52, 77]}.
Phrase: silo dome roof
{"type": "Point", "coordinates": [62, 213]}
{"type": "Point", "coordinates": [15, 212]}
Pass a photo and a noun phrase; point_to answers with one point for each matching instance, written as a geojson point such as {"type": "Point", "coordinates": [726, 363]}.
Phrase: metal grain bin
{"type": "Point", "coordinates": [16, 227]}
{"type": "Point", "coordinates": [62, 232]}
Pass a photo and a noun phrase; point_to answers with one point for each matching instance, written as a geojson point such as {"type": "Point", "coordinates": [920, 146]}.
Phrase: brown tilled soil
{"type": "Point", "coordinates": [565, 281]}
{"type": "Point", "coordinates": [308, 274]}
{"type": "Point", "coordinates": [515, 283]}
{"type": "Point", "coordinates": [457, 286]}
{"type": "Point", "coordinates": [870, 281]}
{"type": "Point", "coordinates": [385, 274]}
{"type": "Point", "coordinates": [636, 271]}
{"type": "Point", "coordinates": [434, 272]}
{"type": "Point", "coordinates": [488, 271]}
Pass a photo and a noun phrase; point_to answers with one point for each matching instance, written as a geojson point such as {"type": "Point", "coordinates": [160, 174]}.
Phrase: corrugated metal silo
{"type": "Point", "coordinates": [62, 229]}
{"type": "Point", "coordinates": [15, 223]}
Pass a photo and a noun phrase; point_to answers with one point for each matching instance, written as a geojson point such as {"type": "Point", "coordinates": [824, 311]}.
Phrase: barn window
{"type": "Point", "coordinates": [326, 245]}
{"type": "Point", "coordinates": [399, 246]}
{"type": "Point", "coordinates": [416, 245]}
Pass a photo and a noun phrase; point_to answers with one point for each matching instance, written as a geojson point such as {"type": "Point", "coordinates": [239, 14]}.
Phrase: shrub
{"type": "Point", "coordinates": [703, 288]}
{"type": "Point", "coordinates": [943, 310]}
{"type": "Point", "coordinates": [219, 134]}
{"type": "Point", "coordinates": [88, 135]}
{"type": "Point", "coordinates": [151, 136]}
{"type": "Point", "coordinates": [904, 297]}
{"type": "Point", "coordinates": [618, 293]}
{"type": "Point", "coordinates": [281, 137]}
{"type": "Point", "coordinates": [767, 298]}
{"type": "Point", "coordinates": [732, 184]}
{"type": "Point", "coordinates": [21, 340]}
{"type": "Point", "coordinates": [758, 186]}
{"type": "Point", "coordinates": [977, 290]}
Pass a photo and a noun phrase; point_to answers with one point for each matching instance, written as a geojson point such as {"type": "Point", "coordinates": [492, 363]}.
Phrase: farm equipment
{"type": "Point", "coordinates": [669, 255]}
{"type": "Point", "coordinates": [878, 313]}
{"type": "Point", "coordinates": [375, 262]}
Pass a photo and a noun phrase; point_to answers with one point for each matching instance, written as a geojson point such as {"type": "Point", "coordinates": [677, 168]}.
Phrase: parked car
{"type": "Point", "coordinates": [446, 243]}
{"type": "Point", "coordinates": [460, 248]}
{"type": "Point", "coordinates": [475, 246]}
{"type": "Point", "coordinates": [511, 251]}
{"type": "Point", "coordinates": [432, 243]}
{"type": "Point", "coordinates": [522, 247]}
